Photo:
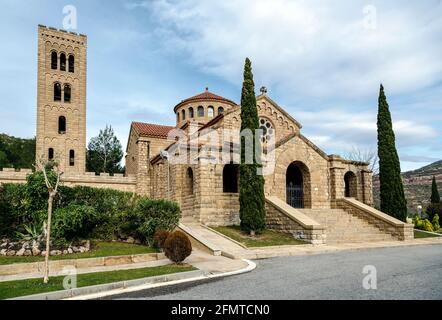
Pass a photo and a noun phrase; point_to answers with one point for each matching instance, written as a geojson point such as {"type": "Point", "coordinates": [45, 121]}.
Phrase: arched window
{"type": "Point", "coordinates": [67, 93]}
{"type": "Point", "coordinates": [183, 115]}
{"type": "Point", "coordinates": [61, 125]}
{"type": "Point", "coordinates": [71, 63]}
{"type": "Point", "coordinates": [220, 110]}
{"type": "Point", "coordinates": [57, 91]}
{"type": "Point", "coordinates": [210, 112]}
{"type": "Point", "coordinates": [51, 154]}
{"type": "Point", "coordinates": [200, 111]}
{"type": "Point", "coordinates": [54, 60]}
{"type": "Point", "coordinates": [191, 115]}
{"type": "Point", "coordinates": [62, 62]}
{"type": "Point", "coordinates": [72, 158]}
{"type": "Point", "coordinates": [230, 178]}
{"type": "Point", "coordinates": [177, 117]}
{"type": "Point", "coordinates": [189, 181]}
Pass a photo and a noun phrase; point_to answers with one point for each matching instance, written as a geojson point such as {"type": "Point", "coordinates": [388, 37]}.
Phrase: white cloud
{"type": "Point", "coordinates": [317, 48]}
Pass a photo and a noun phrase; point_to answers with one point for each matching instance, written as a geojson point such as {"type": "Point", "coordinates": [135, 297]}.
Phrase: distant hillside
{"type": "Point", "coordinates": [16, 152]}
{"type": "Point", "coordinates": [417, 185]}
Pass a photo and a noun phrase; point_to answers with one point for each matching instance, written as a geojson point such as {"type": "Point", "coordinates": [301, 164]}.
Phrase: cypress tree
{"type": "Point", "coordinates": [251, 193]}
{"type": "Point", "coordinates": [435, 197]}
{"type": "Point", "coordinates": [391, 187]}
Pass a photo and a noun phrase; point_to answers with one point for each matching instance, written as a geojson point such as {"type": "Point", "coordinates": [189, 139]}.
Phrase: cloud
{"type": "Point", "coordinates": [340, 129]}
{"type": "Point", "coordinates": [317, 48]}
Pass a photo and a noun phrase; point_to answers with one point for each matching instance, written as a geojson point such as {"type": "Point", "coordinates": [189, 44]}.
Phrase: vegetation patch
{"type": "Point", "coordinates": [265, 239]}
{"type": "Point", "coordinates": [21, 288]}
{"type": "Point", "coordinates": [99, 249]}
{"type": "Point", "coordinates": [419, 234]}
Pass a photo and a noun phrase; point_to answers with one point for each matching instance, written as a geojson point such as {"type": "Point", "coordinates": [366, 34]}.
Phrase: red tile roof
{"type": "Point", "coordinates": [205, 96]}
{"type": "Point", "coordinates": [152, 130]}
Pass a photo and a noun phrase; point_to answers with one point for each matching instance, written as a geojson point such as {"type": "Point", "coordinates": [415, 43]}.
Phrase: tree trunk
{"type": "Point", "coordinates": [48, 237]}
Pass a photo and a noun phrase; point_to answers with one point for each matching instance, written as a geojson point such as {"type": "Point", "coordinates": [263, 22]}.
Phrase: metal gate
{"type": "Point", "coordinates": [295, 195]}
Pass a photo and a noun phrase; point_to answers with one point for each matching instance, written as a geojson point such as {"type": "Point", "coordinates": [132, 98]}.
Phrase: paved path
{"type": "Point", "coordinates": [403, 273]}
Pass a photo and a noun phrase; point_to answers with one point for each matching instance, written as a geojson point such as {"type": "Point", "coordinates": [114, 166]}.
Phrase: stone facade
{"type": "Point", "coordinates": [61, 98]}
{"type": "Point", "coordinates": [197, 181]}
{"type": "Point", "coordinates": [188, 162]}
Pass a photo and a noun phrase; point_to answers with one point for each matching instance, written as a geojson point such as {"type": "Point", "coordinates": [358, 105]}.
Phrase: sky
{"type": "Point", "coordinates": [322, 61]}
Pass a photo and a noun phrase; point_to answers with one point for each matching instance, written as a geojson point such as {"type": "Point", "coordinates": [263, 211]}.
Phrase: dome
{"type": "Point", "coordinates": [205, 96]}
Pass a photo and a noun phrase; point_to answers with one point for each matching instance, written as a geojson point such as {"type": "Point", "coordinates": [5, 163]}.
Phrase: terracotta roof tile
{"type": "Point", "coordinates": [206, 95]}
{"type": "Point", "coordinates": [152, 130]}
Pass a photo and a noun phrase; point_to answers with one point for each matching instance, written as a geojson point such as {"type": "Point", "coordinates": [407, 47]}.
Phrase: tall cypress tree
{"type": "Point", "coordinates": [392, 189]}
{"type": "Point", "coordinates": [251, 194]}
{"type": "Point", "coordinates": [435, 197]}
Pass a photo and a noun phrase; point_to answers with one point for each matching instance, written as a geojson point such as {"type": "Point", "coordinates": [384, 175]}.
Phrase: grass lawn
{"type": "Point", "coordinates": [99, 249]}
{"type": "Point", "coordinates": [34, 286]}
{"type": "Point", "coordinates": [418, 234]}
{"type": "Point", "coordinates": [266, 239]}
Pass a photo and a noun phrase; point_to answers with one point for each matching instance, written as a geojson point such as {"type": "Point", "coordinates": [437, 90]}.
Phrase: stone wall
{"type": "Point", "coordinates": [278, 219]}
{"type": "Point", "coordinates": [116, 182]}
{"type": "Point", "coordinates": [384, 222]}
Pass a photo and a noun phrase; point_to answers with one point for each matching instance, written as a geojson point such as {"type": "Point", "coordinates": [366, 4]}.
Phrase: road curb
{"type": "Point", "coordinates": [203, 276]}
{"type": "Point", "coordinates": [121, 285]}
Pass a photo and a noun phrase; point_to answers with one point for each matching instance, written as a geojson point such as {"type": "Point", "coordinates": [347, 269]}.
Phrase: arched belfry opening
{"type": "Point", "coordinates": [298, 185]}
{"type": "Point", "coordinates": [350, 185]}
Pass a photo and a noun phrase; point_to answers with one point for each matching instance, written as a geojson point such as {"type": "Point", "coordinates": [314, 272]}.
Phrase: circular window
{"type": "Point", "coordinates": [268, 131]}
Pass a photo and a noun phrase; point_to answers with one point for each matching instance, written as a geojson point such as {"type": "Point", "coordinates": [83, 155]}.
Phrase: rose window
{"type": "Point", "coordinates": [268, 131]}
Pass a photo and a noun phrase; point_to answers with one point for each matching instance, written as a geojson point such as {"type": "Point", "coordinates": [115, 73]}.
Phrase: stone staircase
{"type": "Point", "coordinates": [345, 227]}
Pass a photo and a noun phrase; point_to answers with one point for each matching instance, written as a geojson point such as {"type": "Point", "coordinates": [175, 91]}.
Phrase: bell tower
{"type": "Point", "coordinates": [61, 98]}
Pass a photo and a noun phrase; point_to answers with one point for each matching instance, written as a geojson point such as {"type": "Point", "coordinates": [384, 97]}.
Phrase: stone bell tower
{"type": "Point", "coordinates": [61, 98]}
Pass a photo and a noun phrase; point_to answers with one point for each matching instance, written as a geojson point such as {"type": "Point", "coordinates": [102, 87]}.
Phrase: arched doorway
{"type": "Point", "coordinates": [297, 179]}
{"type": "Point", "coordinates": [350, 183]}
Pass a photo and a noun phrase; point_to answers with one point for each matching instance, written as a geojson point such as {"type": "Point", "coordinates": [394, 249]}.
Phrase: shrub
{"type": "Point", "coordinates": [36, 191]}
{"type": "Point", "coordinates": [148, 216]}
{"type": "Point", "coordinates": [159, 238]}
{"type": "Point", "coordinates": [428, 226]}
{"type": "Point", "coordinates": [73, 222]}
{"type": "Point", "coordinates": [177, 247]}
{"type": "Point", "coordinates": [434, 209]}
{"type": "Point", "coordinates": [436, 224]}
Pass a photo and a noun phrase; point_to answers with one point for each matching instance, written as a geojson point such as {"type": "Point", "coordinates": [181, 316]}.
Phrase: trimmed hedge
{"type": "Point", "coordinates": [177, 247]}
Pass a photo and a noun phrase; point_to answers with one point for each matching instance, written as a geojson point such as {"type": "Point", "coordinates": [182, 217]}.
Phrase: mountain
{"type": "Point", "coordinates": [16, 152]}
{"type": "Point", "coordinates": [417, 186]}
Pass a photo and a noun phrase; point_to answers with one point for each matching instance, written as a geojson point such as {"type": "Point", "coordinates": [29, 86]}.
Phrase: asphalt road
{"type": "Point", "coordinates": [402, 273]}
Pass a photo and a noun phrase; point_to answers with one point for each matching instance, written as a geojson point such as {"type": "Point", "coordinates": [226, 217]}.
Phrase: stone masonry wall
{"type": "Point", "coordinates": [116, 182]}
{"type": "Point", "coordinates": [276, 220]}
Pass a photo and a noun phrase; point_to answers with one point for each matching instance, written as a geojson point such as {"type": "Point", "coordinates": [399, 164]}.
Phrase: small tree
{"type": "Point", "coordinates": [44, 166]}
{"type": "Point", "coordinates": [104, 153]}
{"type": "Point", "coordinates": [251, 195]}
{"type": "Point", "coordinates": [435, 197]}
{"type": "Point", "coordinates": [365, 155]}
{"type": "Point", "coordinates": [391, 187]}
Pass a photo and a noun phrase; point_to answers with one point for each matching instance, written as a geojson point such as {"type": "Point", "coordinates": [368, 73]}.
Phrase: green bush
{"type": "Point", "coordinates": [434, 209]}
{"type": "Point", "coordinates": [423, 224]}
{"type": "Point", "coordinates": [73, 222]}
{"type": "Point", "coordinates": [177, 247]}
{"type": "Point", "coordinates": [148, 216]}
{"type": "Point", "coordinates": [436, 225]}
{"type": "Point", "coordinates": [84, 212]}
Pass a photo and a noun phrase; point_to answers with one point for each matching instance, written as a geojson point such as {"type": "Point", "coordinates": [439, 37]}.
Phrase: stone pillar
{"type": "Point", "coordinates": [143, 174]}
{"type": "Point", "coordinates": [337, 183]}
{"type": "Point", "coordinates": [205, 199]}
{"type": "Point", "coordinates": [367, 187]}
